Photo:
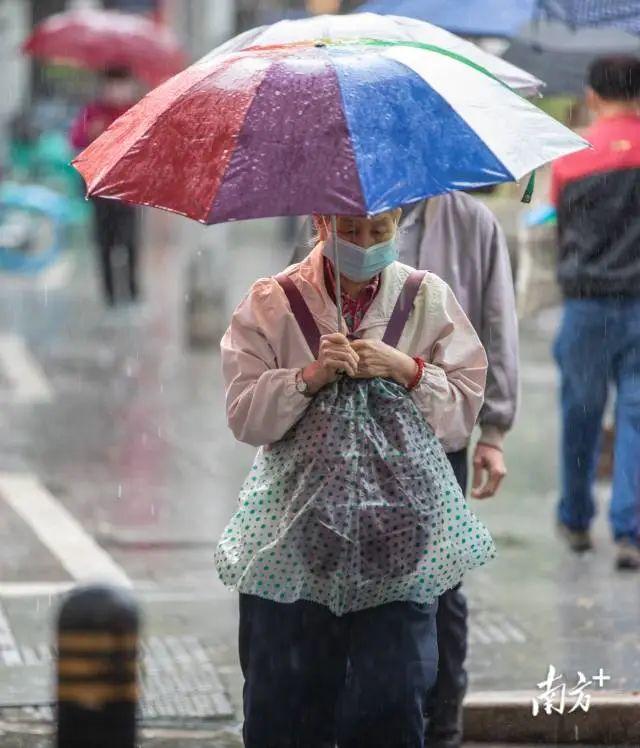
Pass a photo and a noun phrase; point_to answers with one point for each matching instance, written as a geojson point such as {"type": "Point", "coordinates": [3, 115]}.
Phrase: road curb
{"type": "Point", "coordinates": [613, 718]}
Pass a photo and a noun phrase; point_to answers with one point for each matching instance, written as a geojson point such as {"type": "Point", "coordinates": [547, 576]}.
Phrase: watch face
{"type": "Point", "coordinates": [301, 385]}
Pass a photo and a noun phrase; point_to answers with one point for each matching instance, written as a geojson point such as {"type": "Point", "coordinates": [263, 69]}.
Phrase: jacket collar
{"type": "Point", "coordinates": [312, 286]}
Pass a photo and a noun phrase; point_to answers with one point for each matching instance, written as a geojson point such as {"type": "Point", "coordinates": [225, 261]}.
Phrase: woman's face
{"type": "Point", "coordinates": [364, 231]}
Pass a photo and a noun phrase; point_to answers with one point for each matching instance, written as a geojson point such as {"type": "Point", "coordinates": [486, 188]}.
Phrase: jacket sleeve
{"type": "Point", "coordinates": [499, 335]}
{"type": "Point", "coordinates": [262, 401]}
{"type": "Point", "coordinates": [451, 391]}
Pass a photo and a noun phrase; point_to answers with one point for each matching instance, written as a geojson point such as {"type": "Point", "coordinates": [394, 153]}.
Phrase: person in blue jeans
{"type": "Point", "coordinates": [597, 194]}
{"type": "Point", "coordinates": [599, 342]}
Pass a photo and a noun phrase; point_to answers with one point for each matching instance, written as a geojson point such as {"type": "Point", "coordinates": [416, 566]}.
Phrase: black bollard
{"type": "Point", "coordinates": [98, 629]}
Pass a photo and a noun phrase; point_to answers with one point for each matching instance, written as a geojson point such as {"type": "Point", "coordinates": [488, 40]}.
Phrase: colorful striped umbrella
{"type": "Point", "coordinates": [347, 129]}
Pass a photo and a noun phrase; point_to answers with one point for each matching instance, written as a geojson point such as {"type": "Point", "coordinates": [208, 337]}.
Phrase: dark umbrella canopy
{"type": "Point", "coordinates": [506, 18]}
{"type": "Point", "coordinates": [560, 56]}
{"type": "Point", "coordinates": [500, 18]}
{"type": "Point", "coordinates": [623, 14]}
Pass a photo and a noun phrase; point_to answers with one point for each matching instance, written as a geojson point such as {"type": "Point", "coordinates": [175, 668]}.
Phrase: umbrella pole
{"type": "Point", "coordinates": [336, 265]}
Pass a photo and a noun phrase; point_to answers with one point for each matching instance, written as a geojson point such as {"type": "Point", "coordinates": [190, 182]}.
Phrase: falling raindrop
{"type": "Point", "coordinates": [120, 490]}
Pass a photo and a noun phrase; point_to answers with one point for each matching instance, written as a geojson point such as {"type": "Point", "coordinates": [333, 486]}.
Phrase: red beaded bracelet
{"type": "Point", "coordinates": [414, 382]}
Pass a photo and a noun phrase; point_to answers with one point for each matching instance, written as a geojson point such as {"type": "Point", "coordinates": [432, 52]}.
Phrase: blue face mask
{"type": "Point", "coordinates": [359, 264]}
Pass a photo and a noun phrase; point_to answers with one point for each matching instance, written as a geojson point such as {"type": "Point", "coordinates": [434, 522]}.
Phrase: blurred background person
{"type": "Point", "coordinates": [115, 222]}
{"type": "Point", "coordinates": [597, 194]}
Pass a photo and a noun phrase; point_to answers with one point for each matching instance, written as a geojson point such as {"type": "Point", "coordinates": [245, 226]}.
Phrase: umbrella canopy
{"type": "Point", "coordinates": [386, 28]}
{"type": "Point", "coordinates": [467, 17]}
{"type": "Point", "coordinates": [98, 39]}
{"type": "Point", "coordinates": [561, 56]}
{"type": "Point", "coordinates": [622, 14]}
{"type": "Point", "coordinates": [338, 129]}
{"type": "Point", "coordinates": [506, 18]}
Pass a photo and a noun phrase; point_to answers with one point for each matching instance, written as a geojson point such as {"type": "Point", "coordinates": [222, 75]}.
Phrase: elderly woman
{"type": "Point", "coordinates": [350, 523]}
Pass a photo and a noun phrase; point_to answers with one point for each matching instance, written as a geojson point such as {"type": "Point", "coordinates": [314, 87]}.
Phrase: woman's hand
{"type": "Point", "coordinates": [336, 355]}
{"type": "Point", "coordinates": [377, 359]}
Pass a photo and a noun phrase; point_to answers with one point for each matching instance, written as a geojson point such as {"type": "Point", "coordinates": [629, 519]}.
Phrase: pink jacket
{"type": "Point", "coordinates": [264, 347]}
{"type": "Point", "coordinates": [92, 121]}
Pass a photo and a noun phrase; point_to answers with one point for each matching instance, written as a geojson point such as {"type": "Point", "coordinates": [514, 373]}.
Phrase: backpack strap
{"type": "Point", "coordinates": [403, 307]}
{"type": "Point", "coordinates": [301, 312]}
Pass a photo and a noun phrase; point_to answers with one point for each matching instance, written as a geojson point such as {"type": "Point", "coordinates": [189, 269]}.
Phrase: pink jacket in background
{"type": "Point", "coordinates": [264, 347]}
{"type": "Point", "coordinates": [92, 121]}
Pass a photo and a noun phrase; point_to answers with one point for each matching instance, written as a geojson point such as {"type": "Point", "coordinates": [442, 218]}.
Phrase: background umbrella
{"type": "Point", "coordinates": [555, 40]}
{"type": "Point", "coordinates": [561, 56]}
{"type": "Point", "coordinates": [467, 17]}
{"type": "Point", "coordinates": [329, 128]}
{"type": "Point", "coordinates": [98, 39]}
{"type": "Point", "coordinates": [507, 18]}
{"type": "Point", "coordinates": [387, 28]}
{"type": "Point", "coordinates": [622, 14]}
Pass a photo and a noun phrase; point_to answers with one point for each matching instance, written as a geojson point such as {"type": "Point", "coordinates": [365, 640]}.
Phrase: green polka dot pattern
{"type": "Point", "coordinates": [355, 507]}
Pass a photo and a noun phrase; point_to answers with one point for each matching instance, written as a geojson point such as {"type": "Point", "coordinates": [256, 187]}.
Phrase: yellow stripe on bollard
{"type": "Point", "coordinates": [83, 667]}
{"type": "Point", "coordinates": [87, 641]}
{"type": "Point", "coordinates": [96, 695]}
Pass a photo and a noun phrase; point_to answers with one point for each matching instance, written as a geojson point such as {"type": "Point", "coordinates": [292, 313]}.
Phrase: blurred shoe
{"type": "Point", "coordinates": [578, 541]}
{"type": "Point", "coordinates": [627, 554]}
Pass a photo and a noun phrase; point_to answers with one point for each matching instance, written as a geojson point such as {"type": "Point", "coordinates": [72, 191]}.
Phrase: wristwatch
{"type": "Point", "coordinates": [301, 385]}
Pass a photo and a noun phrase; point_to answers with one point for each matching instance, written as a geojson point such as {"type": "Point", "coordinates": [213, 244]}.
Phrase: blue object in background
{"type": "Point", "coordinates": [33, 198]}
{"type": "Point", "coordinates": [505, 18]}
{"type": "Point", "coordinates": [466, 17]}
{"type": "Point", "coordinates": [623, 14]}
{"type": "Point", "coordinates": [541, 215]}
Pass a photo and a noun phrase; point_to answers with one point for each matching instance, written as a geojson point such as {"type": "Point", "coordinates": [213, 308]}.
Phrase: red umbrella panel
{"type": "Point", "coordinates": [99, 39]}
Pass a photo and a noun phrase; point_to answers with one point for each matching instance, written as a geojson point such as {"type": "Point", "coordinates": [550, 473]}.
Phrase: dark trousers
{"type": "Point", "coordinates": [116, 228]}
{"type": "Point", "coordinates": [314, 679]}
{"type": "Point", "coordinates": [444, 710]}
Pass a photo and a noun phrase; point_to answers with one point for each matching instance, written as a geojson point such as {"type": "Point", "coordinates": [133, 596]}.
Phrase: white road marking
{"type": "Point", "coordinates": [59, 531]}
{"type": "Point", "coordinates": [144, 591]}
{"type": "Point", "coordinates": [27, 382]}
{"type": "Point", "coordinates": [34, 589]}
{"type": "Point", "coordinates": [56, 275]}
{"type": "Point", "coordinates": [9, 653]}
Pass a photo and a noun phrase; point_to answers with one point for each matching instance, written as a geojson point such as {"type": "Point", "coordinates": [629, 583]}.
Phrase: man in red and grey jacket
{"type": "Point", "coordinates": [597, 196]}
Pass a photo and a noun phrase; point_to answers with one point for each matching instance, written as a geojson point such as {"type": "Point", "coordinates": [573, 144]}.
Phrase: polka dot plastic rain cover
{"type": "Point", "coordinates": [355, 507]}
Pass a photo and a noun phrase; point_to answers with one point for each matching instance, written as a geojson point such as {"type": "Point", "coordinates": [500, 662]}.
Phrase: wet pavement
{"type": "Point", "coordinates": [115, 462]}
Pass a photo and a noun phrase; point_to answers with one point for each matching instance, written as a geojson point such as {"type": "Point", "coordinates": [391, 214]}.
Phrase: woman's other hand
{"type": "Point", "coordinates": [336, 355]}
{"type": "Point", "coordinates": [377, 359]}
